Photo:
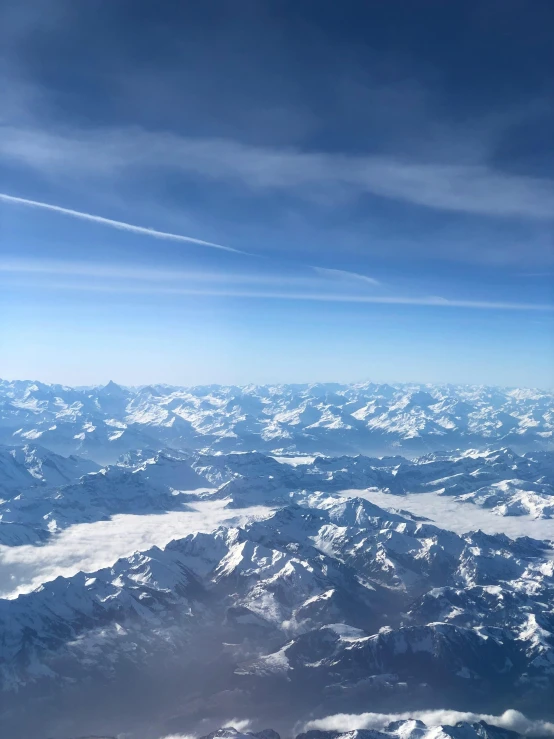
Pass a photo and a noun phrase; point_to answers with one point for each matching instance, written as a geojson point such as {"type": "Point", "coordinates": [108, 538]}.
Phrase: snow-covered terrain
{"type": "Point", "coordinates": [103, 422]}
{"type": "Point", "coordinates": [325, 597]}
{"type": "Point", "coordinates": [32, 466]}
{"type": "Point", "coordinates": [501, 482]}
{"type": "Point", "coordinates": [174, 555]}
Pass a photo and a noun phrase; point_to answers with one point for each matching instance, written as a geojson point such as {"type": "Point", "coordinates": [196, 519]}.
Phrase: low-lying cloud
{"type": "Point", "coordinates": [513, 720]}
{"type": "Point", "coordinates": [88, 547]}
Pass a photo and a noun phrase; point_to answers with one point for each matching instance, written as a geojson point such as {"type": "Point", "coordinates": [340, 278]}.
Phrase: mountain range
{"type": "Point", "coordinates": [43, 493]}
{"type": "Point", "coordinates": [101, 423]}
{"type": "Point", "coordinates": [335, 599]}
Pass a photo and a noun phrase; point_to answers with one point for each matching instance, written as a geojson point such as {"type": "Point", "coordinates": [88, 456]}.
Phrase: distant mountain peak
{"type": "Point", "coordinates": [112, 388]}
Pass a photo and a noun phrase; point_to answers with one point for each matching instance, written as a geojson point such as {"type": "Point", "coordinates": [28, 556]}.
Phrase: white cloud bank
{"type": "Point", "coordinates": [513, 720]}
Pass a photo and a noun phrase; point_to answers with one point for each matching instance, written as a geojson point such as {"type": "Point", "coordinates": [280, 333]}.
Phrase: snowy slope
{"type": "Point", "coordinates": [30, 465]}
{"type": "Point", "coordinates": [154, 485]}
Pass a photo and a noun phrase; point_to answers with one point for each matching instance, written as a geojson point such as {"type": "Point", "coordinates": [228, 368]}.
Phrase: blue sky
{"type": "Point", "coordinates": [282, 191]}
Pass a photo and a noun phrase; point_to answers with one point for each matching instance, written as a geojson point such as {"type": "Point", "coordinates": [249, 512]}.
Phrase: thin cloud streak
{"type": "Point", "coordinates": [345, 274]}
{"type": "Point", "coordinates": [432, 301]}
{"type": "Point", "coordinates": [325, 277]}
{"type": "Point", "coordinates": [120, 225]}
{"type": "Point", "coordinates": [537, 274]}
{"type": "Point", "coordinates": [117, 271]}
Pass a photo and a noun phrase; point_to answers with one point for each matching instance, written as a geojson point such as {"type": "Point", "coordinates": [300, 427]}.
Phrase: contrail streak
{"type": "Point", "coordinates": [121, 225]}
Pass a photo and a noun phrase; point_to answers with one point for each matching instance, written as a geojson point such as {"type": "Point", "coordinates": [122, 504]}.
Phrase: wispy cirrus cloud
{"type": "Point", "coordinates": [436, 302]}
{"type": "Point", "coordinates": [477, 188]}
{"type": "Point", "coordinates": [131, 280]}
{"type": "Point", "coordinates": [302, 276]}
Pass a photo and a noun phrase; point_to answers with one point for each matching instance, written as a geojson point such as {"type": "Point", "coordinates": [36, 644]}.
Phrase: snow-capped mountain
{"type": "Point", "coordinates": [400, 729]}
{"type": "Point", "coordinates": [31, 466]}
{"type": "Point", "coordinates": [500, 480]}
{"type": "Point", "coordinates": [155, 485]}
{"type": "Point", "coordinates": [103, 422]}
